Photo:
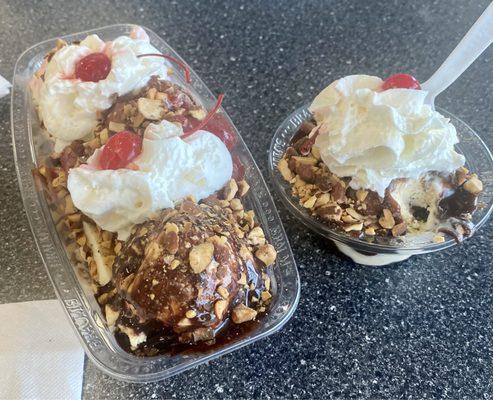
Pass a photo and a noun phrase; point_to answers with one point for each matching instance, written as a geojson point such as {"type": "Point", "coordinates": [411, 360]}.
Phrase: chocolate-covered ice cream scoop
{"type": "Point", "coordinates": [186, 271]}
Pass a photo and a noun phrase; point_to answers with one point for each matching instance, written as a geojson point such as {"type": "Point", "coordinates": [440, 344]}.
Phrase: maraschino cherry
{"type": "Point", "coordinates": [401, 81]}
{"type": "Point", "coordinates": [219, 126]}
{"type": "Point", "coordinates": [120, 150]}
{"type": "Point", "coordinates": [93, 67]}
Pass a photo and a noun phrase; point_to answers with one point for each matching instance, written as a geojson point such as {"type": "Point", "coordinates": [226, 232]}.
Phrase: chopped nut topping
{"type": "Point", "coordinates": [198, 113]}
{"type": "Point", "coordinates": [171, 227]}
{"type": "Point", "coordinates": [473, 185]}
{"type": "Point", "coordinates": [151, 93]}
{"type": "Point", "coordinates": [170, 238]}
{"type": "Point", "coordinates": [316, 152]}
{"type": "Point", "coordinates": [267, 254]}
{"type": "Point", "coordinates": [361, 194]}
{"type": "Point", "coordinates": [322, 200]}
{"type": "Point", "coordinates": [174, 264]}
{"type": "Point", "coordinates": [229, 191]}
{"type": "Point", "coordinates": [353, 213]}
{"type": "Point", "coordinates": [399, 229]}
{"type": "Point", "coordinates": [223, 292]}
{"type": "Point", "coordinates": [153, 251]}
{"type": "Point", "coordinates": [184, 323]}
{"type": "Point", "coordinates": [353, 227]}
{"type": "Point", "coordinates": [111, 315]}
{"type": "Point", "coordinates": [242, 313]}
{"type": "Point", "coordinates": [115, 127]}
{"type": "Point", "coordinates": [305, 160]}
{"type": "Point", "coordinates": [201, 256]}
{"type": "Point", "coordinates": [243, 188]}
{"type": "Point", "coordinates": [266, 281]}
{"type": "Point", "coordinates": [236, 205]}
{"type": "Point", "coordinates": [203, 334]}
{"type": "Point", "coordinates": [104, 136]}
{"type": "Point", "coordinates": [242, 280]}
{"type": "Point", "coordinates": [310, 202]}
{"type": "Point", "coordinates": [284, 170]}
{"type": "Point", "coordinates": [266, 295]}
{"type": "Point", "coordinates": [330, 212]}
{"type": "Point", "coordinates": [256, 236]}
{"type": "Point", "coordinates": [387, 220]}
{"type": "Point", "coordinates": [220, 307]}
{"type": "Point", "coordinates": [150, 109]}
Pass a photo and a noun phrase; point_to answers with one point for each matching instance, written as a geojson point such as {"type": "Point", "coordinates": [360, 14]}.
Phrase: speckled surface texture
{"type": "Point", "coordinates": [419, 329]}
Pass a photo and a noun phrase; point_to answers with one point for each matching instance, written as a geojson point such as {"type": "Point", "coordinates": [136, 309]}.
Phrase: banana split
{"type": "Point", "coordinates": [148, 194]}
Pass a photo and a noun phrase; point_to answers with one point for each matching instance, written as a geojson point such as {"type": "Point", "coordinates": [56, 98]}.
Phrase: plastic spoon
{"type": "Point", "coordinates": [476, 40]}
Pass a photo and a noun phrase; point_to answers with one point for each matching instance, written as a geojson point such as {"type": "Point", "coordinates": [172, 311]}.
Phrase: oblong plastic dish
{"type": "Point", "coordinates": [386, 251]}
{"type": "Point", "coordinates": [73, 290]}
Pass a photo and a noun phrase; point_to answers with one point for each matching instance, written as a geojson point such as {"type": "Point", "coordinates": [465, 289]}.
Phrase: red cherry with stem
{"type": "Point", "coordinates": [401, 81]}
{"type": "Point", "coordinates": [93, 67]}
{"type": "Point", "coordinates": [238, 169]}
{"type": "Point", "coordinates": [120, 150]}
{"type": "Point", "coordinates": [220, 126]}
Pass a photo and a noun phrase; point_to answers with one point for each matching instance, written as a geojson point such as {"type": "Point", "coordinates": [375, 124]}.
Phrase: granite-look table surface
{"type": "Point", "coordinates": [419, 329]}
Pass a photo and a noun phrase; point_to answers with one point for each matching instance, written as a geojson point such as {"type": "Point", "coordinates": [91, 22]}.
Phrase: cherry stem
{"type": "Point", "coordinates": [182, 65]}
{"type": "Point", "coordinates": [206, 120]}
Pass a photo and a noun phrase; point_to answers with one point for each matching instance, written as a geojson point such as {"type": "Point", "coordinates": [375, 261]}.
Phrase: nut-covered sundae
{"type": "Point", "coordinates": [377, 161]}
{"type": "Point", "coordinates": [144, 189]}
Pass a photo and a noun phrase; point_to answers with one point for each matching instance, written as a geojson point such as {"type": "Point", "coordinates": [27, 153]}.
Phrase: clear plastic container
{"type": "Point", "coordinates": [73, 289]}
{"type": "Point", "coordinates": [387, 250]}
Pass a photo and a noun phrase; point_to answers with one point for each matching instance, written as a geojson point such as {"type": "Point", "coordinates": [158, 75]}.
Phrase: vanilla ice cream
{"type": "Point", "coordinates": [68, 107]}
{"type": "Point", "coordinates": [375, 136]}
{"type": "Point", "coordinates": [168, 169]}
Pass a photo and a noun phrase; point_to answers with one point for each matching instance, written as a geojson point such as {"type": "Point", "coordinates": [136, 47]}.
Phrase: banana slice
{"type": "Point", "coordinates": [104, 270]}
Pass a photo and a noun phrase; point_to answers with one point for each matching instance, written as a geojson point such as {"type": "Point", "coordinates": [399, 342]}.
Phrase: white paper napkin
{"type": "Point", "coordinates": [4, 86]}
{"type": "Point", "coordinates": [40, 356]}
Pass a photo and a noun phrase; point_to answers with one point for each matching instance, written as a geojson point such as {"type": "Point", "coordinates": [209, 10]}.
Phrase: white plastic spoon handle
{"type": "Point", "coordinates": [479, 37]}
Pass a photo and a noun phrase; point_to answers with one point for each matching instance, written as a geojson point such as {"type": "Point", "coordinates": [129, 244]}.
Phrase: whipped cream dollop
{"type": "Point", "coordinates": [68, 107]}
{"type": "Point", "coordinates": [375, 136]}
{"type": "Point", "coordinates": [168, 169]}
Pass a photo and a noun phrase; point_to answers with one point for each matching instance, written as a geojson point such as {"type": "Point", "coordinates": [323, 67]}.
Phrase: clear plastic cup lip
{"type": "Point", "coordinates": [478, 159]}
{"type": "Point", "coordinates": [73, 290]}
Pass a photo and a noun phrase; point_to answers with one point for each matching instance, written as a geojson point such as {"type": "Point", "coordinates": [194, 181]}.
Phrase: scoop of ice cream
{"type": "Point", "coordinates": [168, 169]}
{"type": "Point", "coordinates": [375, 136]}
{"type": "Point", "coordinates": [68, 106]}
{"type": "Point", "coordinates": [417, 201]}
{"type": "Point", "coordinates": [182, 271]}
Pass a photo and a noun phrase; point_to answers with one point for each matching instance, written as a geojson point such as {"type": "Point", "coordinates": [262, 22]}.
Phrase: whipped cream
{"type": "Point", "coordinates": [375, 136]}
{"type": "Point", "coordinates": [68, 107]}
{"type": "Point", "coordinates": [168, 169]}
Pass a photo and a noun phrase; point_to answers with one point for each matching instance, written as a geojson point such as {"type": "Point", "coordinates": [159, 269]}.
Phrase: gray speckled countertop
{"type": "Point", "coordinates": [419, 329]}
